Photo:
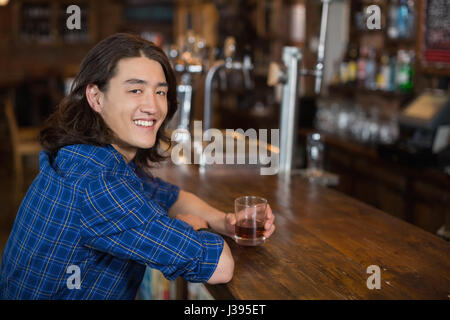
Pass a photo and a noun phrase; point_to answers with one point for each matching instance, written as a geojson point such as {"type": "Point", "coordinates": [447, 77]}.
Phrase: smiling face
{"type": "Point", "coordinates": [134, 104]}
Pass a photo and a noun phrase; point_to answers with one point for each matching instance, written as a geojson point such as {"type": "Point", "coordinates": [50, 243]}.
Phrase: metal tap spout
{"type": "Point", "coordinates": [218, 67]}
{"type": "Point", "coordinates": [207, 107]}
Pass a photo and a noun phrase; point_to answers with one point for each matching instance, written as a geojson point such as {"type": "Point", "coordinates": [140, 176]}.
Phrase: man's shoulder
{"type": "Point", "coordinates": [98, 159]}
{"type": "Point", "coordinates": [103, 157]}
{"type": "Point", "coordinates": [85, 162]}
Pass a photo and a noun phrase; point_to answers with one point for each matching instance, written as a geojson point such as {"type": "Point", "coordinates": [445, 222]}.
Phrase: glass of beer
{"type": "Point", "coordinates": [250, 218]}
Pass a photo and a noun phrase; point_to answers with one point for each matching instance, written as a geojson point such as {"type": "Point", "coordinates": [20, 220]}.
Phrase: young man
{"type": "Point", "coordinates": [94, 217]}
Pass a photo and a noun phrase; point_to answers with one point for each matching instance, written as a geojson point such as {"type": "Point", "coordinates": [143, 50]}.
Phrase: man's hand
{"type": "Point", "coordinates": [193, 220]}
{"type": "Point", "coordinates": [230, 222]}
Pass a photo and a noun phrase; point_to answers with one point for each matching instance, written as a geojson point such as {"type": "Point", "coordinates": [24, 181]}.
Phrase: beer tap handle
{"type": "Point", "coordinates": [230, 49]}
{"type": "Point", "coordinates": [246, 67]}
{"type": "Point", "coordinates": [321, 48]}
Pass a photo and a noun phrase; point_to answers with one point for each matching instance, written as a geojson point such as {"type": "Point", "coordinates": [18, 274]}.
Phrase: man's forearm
{"type": "Point", "coordinates": [190, 203]}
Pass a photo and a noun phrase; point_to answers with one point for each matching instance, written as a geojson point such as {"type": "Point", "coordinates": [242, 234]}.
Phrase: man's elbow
{"type": "Point", "coordinates": [228, 273]}
{"type": "Point", "coordinates": [222, 276]}
{"type": "Point", "coordinates": [225, 269]}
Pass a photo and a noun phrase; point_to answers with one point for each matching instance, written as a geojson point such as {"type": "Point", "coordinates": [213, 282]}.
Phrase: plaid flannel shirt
{"type": "Point", "coordinates": [88, 227]}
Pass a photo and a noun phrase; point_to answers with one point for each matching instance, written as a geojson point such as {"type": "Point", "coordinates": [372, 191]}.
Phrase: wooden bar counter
{"type": "Point", "coordinates": [323, 244]}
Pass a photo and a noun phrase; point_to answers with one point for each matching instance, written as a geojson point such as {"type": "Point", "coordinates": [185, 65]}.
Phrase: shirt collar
{"type": "Point", "coordinates": [106, 158]}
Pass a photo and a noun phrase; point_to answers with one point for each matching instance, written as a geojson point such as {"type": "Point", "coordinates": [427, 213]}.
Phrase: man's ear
{"type": "Point", "coordinates": [94, 97]}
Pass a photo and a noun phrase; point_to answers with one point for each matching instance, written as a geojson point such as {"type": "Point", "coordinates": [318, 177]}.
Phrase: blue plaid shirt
{"type": "Point", "coordinates": [88, 227]}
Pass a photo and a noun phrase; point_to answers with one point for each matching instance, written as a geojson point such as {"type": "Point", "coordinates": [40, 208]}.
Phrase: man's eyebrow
{"type": "Point", "coordinates": [135, 81]}
{"type": "Point", "coordinates": [140, 81]}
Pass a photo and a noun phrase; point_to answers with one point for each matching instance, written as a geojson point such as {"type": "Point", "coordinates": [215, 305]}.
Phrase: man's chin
{"type": "Point", "coordinates": [146, 146]}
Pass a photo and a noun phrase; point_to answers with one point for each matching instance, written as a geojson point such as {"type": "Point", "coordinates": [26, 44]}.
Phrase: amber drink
{"type": "Point", "coordinates": [251, 216]}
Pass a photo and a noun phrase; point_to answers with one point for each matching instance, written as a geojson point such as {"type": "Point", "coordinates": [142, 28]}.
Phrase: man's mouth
{"type": "Point", "coordinates": [144, 123]}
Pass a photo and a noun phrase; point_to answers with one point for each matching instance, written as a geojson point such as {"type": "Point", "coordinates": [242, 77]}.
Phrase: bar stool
{"type": "Point", "coordinates": [24, 142]}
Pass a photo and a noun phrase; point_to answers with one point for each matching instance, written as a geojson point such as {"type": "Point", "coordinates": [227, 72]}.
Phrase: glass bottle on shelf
{"type": "Point", "coordinates": [370, 81]}
{"type": "Point", "coordinates": [393, 26]}
{"type": "Point", "coordinates": [384, 73]}
{"type": "Point", "coordinates": [348, 66]}
{"type": "Point", "coordinates": [362, 66]}
{"type": "Point", "coordinates": [359, 20]}
{"type": "Point", "coordinates": [343, 72]}
{"type": "Point", "coordinates": [412, 18]}
{"type": "Point", "coordinates": [353, 64]}
{"type": "Point", "coordinates": [403, 20]}
{"type": "Point", "coordinates": [405, 70]}
{"type": "Point", "coordinates": [392, 74]}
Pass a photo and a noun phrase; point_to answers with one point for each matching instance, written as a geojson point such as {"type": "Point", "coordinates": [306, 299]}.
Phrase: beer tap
{"type": "Point", "coordinates": [288, 75]}
{"type": "Point", "coordinates": [220, 66]}
{"type": "Point", "coordinates": [188, 61]}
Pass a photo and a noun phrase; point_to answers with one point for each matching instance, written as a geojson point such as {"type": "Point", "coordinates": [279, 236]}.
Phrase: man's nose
{"type": "Point", "coordinates": [150, 104]}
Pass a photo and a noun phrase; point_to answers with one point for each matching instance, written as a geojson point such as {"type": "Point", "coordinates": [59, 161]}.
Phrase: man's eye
{"type": "Point", "coordinates": [136, 91]}
{"type": "Point", "coordinates": [161, 93]}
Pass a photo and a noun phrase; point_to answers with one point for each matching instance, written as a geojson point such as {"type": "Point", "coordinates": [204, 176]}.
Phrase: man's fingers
{"type": "Point", "coordinates": [270, 215]}
{"type": "Point", "coordinates": [231, 217]}
{"type": "Point", "coordinates": [270, 219]}
{"type": "Point", "coordinates": [269, 226]}
{"type": "Point", "coordinates": [269, 232]}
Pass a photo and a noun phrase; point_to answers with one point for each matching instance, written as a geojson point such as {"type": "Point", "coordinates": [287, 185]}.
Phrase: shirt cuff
{"type": "Point", "coordinates": [213, 246]}
{"type": "Point", "coordinates": [175, 191]}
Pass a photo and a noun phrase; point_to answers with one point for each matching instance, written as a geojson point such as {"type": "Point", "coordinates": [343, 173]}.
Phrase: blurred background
{"type": "Point", "coordinates": [382, 109]}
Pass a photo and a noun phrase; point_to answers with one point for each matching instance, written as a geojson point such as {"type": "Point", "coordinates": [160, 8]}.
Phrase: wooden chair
{"type": "Point", "coordinates": [24, 142]}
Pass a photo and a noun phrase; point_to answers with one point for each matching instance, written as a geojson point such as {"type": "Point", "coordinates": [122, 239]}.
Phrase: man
{"type": "Point", "coordinates": [94, 217]}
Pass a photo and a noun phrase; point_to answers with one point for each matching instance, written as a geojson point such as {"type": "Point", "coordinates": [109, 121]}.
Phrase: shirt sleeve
{"type": "Point", "coordinates": [161, 191]}
{"type": "Point", "coordinates": [117, 218]}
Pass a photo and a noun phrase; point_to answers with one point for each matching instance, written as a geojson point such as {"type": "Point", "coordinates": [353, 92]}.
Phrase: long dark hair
{"type": "Point", "coordinates": [75, 122]}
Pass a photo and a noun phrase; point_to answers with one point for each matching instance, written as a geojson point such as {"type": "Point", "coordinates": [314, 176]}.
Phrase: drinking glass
{"type": "Point", "coordinates": [250, 219]}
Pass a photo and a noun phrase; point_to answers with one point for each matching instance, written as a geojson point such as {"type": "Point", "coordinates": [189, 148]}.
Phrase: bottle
{"type": "Point", "coordinates": [412, 19]}
{"type": "Point", "coordinates": [370, 81]}
{"type": "Point", "coordinates": [359, 20]}
{"type": "Point", "coordinates": [343, 69]}
{"type": "Point", "coordinates": [384, 73]}
{"type": "Point", "coordinates": [353, 64]}
{"type": "Point", "coordinates": [405, 71]}
{"type": "Point", "coordinates": [392, 29]}
{"type": "Point", "coordinates": [403, 20]}
{"type": "Point", "coordinates": [343, 72]}
{"type": "Point", "coordinates": [362, 66]}
{"type": "Point", "coordinates": [392, 74]}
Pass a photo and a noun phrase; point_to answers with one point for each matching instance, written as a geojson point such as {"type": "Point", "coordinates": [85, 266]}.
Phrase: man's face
{"type": "Point", "coordinates": [135, 104]}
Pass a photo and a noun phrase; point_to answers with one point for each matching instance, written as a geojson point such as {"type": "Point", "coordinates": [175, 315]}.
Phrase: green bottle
{"type": "Point", "coordinates": [405, 71]}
